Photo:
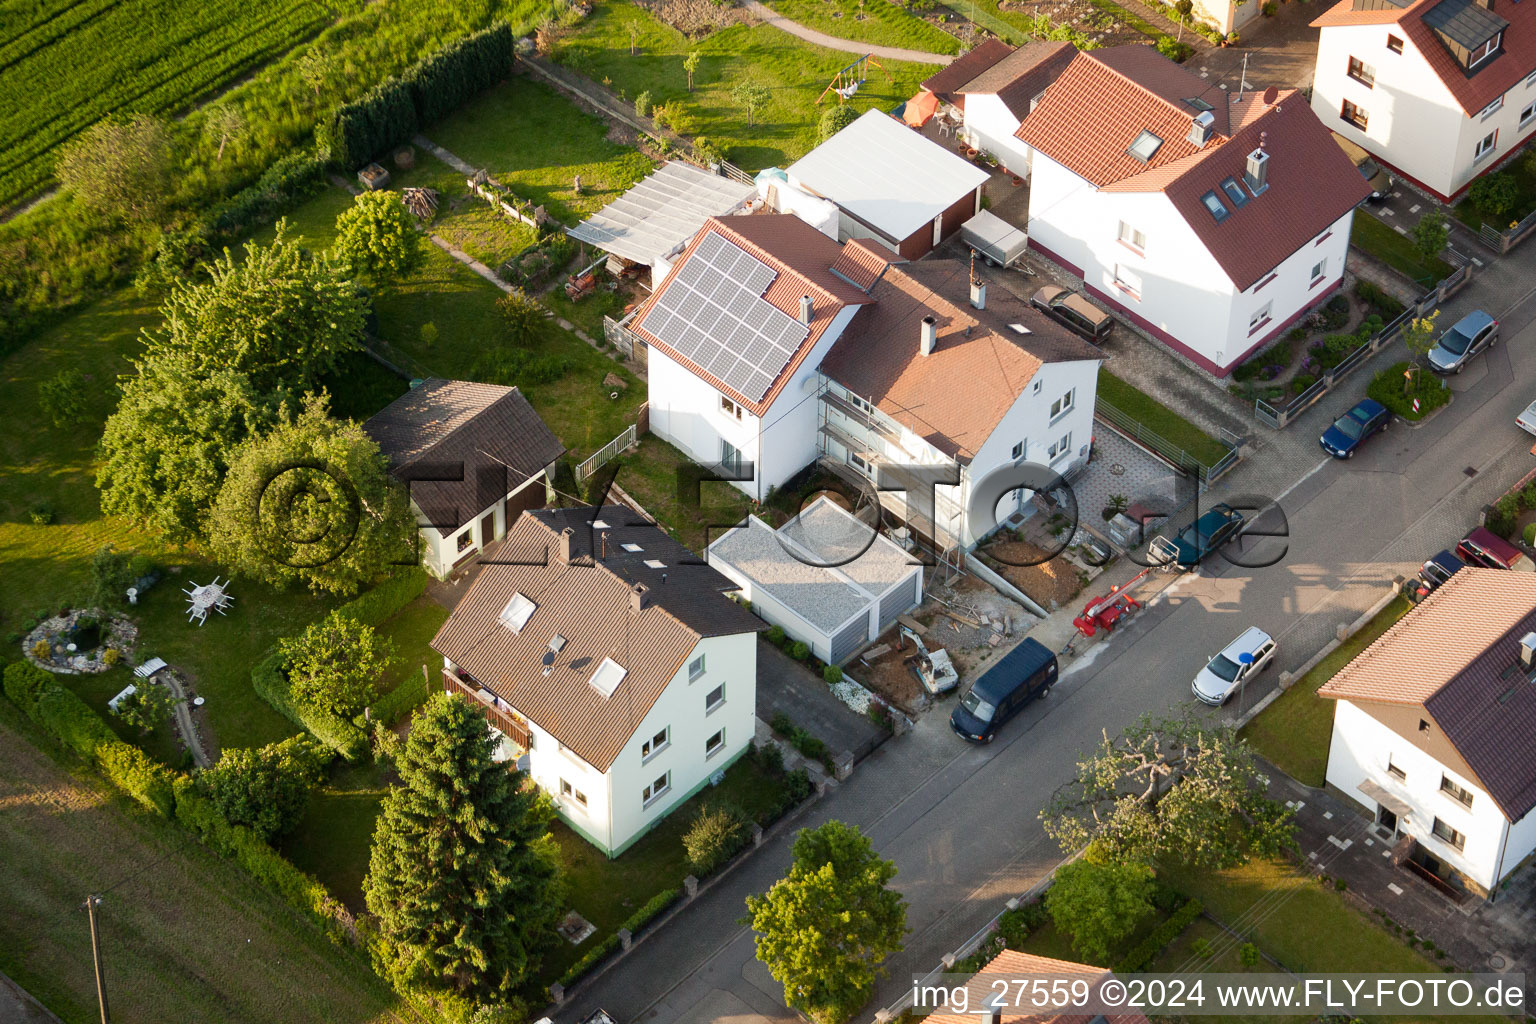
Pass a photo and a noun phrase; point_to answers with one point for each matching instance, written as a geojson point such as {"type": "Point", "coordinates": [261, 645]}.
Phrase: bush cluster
{"type": "Point", "coordinates": [1384, 305]}
{"type": "Point", "coordinates": [1501, 519]}
{"type": "Point", "coordinates": [140, 776]}
{"type": "Point", "coordinates": [717, 834]}
{"type": "Point", "coordinates": [811, 746]}
{"type": "Point", "coordinates": [1387, 388]}
{"type": "Point", "coordinates": [1269, 363]}
{"type": "Point", "coordinates": [1016, 925]}
{"type": "Point", "coordinates": [1153, 944]}
{"type": "Point", "coordinates": [270, 679]}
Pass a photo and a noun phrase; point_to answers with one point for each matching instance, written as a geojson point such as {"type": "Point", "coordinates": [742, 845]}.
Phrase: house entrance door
{"type": "Point", "coordinates": [1386, 819]}
{"type": "Point", "coordinates": [487, 529]}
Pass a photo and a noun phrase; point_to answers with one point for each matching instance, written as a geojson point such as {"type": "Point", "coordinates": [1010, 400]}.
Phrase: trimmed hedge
{"type": "Point", "coordinates": [72, 721]}
{"type": "Point", "coordinates": [270, 679]}
{"type": "Point", "coordinates": [285, 183]}
{"type": "Point", "coordinates": [1153, 944]}
{"type": "Point", "coordinates": [140, 776]}
{"type": "Point", "coordinates": [590, 959]}
{"type": "Point", "coordinates": [374, 606]}
{"type": "Point", "coordinates": [403, 699]}
{"type": "Point", "coordinates": [652, 909]}
{"type": "Point", "coordinates": [434, 86]}
{"type": "Point", "coordinates": [24, 683]}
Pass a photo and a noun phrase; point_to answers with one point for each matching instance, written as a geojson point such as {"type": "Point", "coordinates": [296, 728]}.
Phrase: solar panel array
{"type": "Point", "coordinates": [713, 312]}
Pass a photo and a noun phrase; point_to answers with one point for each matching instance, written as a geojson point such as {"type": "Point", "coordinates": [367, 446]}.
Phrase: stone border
{"type": "Point", "coordinates": [119, 632]}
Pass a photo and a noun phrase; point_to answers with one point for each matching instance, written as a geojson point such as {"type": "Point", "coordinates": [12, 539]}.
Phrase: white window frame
{"type": "Point", "coordinates": [714, 744]}
{"type": "Point", "coordinates": [860, 463]}
{"type": "Point", "coordinates": [1063, 405]}
{"type": "Point", "coordinates": [1485, 145]}
{"type": "Point", "coordinates": [566, 789]}
{"type": "Point", "coordinates": [1260, 316]}
{"type": "Point", "coordinates": [1319, 271]}
{"type": "Point", "coordinates": [729, 407]}
{"type": "Point", "coordinates": [656, 744]}
{"type": "Point", "coordinates": [1530, 79]}
{"type": "Point", "coordinates": [1488, 49]}
{"type": "Point", "coordinates": [695, 668]}
{"type": "Point", "coordinates": [1128, 281]}
{"type": "Point", "coordinates": [1492, 108]}
{"type": "Point", "coordinates": [1060, 449]}
{"type": "Point", "coordinates": [1527, 114]}
{"type": "Point", "coordinates": [656, 790]}
{"type": "Point", "coordinates": [711, 707]}
{"type": "Point", "coordinates": [1018, 451]}
{"type": "Point", "coordinates": [1036, 389]}
{"type": "Point", "coordinates": [1132, 238]}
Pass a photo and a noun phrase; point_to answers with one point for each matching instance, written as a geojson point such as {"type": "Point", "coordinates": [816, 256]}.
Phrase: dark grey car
{"type": "Point", "coordinates": [1470, 335]}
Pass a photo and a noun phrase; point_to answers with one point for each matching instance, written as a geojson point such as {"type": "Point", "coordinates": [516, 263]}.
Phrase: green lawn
{"type": "Point", "coordinates": [588, 313]}
{"type": "Point", "coordinates": [1374, 238]}
{"type": "Point", "coordinates": [1293, 732]}
{"type": "Point", "coordinates": [1182, 957]}
{"type": "Point", "coordinates": [794, 72]}
{"type": "Point", "coordinates": [463, 218]}
{"type": "Point", "coordinates": [880, 22]}
{"type": "Point", "coordinates": [606, 892]}
{"type": "Point", "coordinates": [535, 141]}
{"type": "Point", "coordinates": [650, 476]}
{"type": "Point", "coordinates": [1160, 419]}
{"type": "Point", "coordinates": [333, 839]}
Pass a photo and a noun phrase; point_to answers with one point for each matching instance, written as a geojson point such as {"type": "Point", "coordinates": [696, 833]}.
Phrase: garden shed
{"type": "Point", "coordinates": [822, 577]}
{"type": "Point", "coordinates": [654, 221]}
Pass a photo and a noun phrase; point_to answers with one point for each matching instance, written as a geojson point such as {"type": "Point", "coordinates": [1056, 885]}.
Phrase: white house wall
{"type": "Point", "coordinates": [1415, 125]}
{"type": "Point", "coordinates": [989, 126]}
{"type": "Point", "coordinates": [439, 554]}
{"type": "Point", "coordinates": [1292, 289]}
{"type": "Point", "coordinates": [1360, 749]}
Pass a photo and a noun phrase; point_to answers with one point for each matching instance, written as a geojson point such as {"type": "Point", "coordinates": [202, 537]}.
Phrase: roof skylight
{"type": "Point", "coordinates": [608, 677]}
{"type": "Point", "coordinates": [1234, 191]}
{"type": "Point", "coordinates": [517, 612]}
{"type": "Point", "coordinates": [1198, 103]}
{"type": "Point", "coordinates": [1214, 204]}
{"type": "Point", "coordinates": [631, 548]}
{"type": "Point", "coordinates": [1018, 328]}
{"type": "Point", "coordinates": [1145, 146]}
{"type": "Point", "coordinates": [655, 563]}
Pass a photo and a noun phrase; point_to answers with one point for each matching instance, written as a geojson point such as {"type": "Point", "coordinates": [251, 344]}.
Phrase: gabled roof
{"type": "Point", "coordinates": [954, 397]}
{"type": "Point", "coordinates": [887, 175]}
{"type": "Point", "coordinates": [658, 216]}
{"type": "Point", "coordinates": [587, 602]}
{"type": "Point", "coordinates": [1422, 20]}
{"type": "Point", "coordinates": [798, 261]}
{"type": "Point", "coordinates": [442, 423]}
{"type": "Point", "coordinates": [1457, 655]}
{"type": "Point", "coordinates": [1010, 964]}
{"type": "Point", "coordinates": [1106, 100]}
{"type": "Point", "coordinates": [945, 84]}
{"type": "Point", "coordinates": [1023, 74]}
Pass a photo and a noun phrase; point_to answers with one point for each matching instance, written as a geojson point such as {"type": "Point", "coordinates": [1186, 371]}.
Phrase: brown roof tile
{"type": "Point", "coordinates": [587, 603]}
{"type": "Point", "coordinates": [862, 261]}
{"type": "Point", "coordinates": [442, 423]}
{"type": "Point", "coordinates": [803, 258]}
{"type": "Point", "coordinates": [946, 83]}
{"type": "Point", "coordinates": [1011, 965]}
{"type": "Point", "coordinates": [954, 397]}
{"type": "Point", "coordinates": [1023, 74]}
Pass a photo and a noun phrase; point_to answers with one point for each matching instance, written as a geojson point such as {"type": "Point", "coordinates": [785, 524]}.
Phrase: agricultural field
{"type": "Point", "coordinates": [179, 926]}
{"type": "Point", "coordinates": [63, 64]}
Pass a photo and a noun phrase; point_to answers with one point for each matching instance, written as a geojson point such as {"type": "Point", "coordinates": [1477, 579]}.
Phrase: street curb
{"type": "Point", "coordinates": [1416, 424]}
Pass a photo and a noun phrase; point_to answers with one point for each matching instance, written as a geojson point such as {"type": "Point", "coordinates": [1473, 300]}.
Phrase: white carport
{"type": "Point", "coordinates": [824, 577]}
{"type": "Point", "coordinates": [655, 220]}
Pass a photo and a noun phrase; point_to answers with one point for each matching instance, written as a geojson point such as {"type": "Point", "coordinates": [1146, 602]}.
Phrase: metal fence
{"type": "Point", "coordinates": [1503, 241]}
{"type": "Point", "coordinates": [1164, 448]}
{"type": "Point", "coordinates": [1278, 416]}
{"type": "Point", "coordinates": [730, 170]}
{"type": "Point", "coordinates": [607, 453]}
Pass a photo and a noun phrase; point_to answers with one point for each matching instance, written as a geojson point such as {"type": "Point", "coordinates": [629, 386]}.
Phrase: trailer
{"type": "Point", "coordinates": [994, 239]}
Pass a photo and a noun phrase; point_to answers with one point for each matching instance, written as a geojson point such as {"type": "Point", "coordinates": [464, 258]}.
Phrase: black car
{"type": "Point", "coordinates": [1024, 673]}
{"type": "Point", "coordinates": [1351, 430]}
{"type": "Point", "coordinates": [1074, 312]}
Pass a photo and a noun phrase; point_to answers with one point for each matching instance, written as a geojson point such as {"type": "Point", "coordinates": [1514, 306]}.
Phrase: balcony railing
{"type": "Point", "coordinates": [499, 719]}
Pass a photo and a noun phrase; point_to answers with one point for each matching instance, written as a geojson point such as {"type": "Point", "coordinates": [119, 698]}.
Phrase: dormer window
{"type": "Point", "coordinates": [1145, 146]}
{"type": "Point", "coordinates": [1470, 29]}
{"type": "Point", "coordinates": [1482, 53]}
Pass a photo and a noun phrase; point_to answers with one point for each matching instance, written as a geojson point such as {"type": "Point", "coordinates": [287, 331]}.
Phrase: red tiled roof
{"type": "Point", "coordinates": [802, 257]}
{"type": "Point", "coordinates": [1488, 81]}
{"type": "Point", "coordinates": [1093, 113]}
{"type": "Point", "coordinates": [1010, 965]}
{"type": "Point", "coordinates": [862, 261]}
{"type": "Point", "coordinates": [945, 84]}
{"type": "Point", "coordinates": [1023, 74]}
{"type": "Point", "coordinates": [954, 397]}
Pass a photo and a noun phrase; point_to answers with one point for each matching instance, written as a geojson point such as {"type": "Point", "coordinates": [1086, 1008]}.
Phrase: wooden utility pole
{"type": "Point", "coordinates": [91, 903]}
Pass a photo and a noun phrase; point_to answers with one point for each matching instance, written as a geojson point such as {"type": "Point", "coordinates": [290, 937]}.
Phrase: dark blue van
{"type": "Point", "coordinates": [1024, 673]}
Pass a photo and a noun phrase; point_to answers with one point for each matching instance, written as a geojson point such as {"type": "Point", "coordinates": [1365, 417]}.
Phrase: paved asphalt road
{"type": "Point", "coordinates": [961, 822]}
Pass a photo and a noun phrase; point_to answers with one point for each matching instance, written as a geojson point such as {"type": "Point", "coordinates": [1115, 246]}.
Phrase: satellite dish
{"type": "Point", "coordinates": [1245, 658]}
{"type": "Point", "coordinates": [549, 658]}
{"type": "Point", "coordinates": [1270, 95]}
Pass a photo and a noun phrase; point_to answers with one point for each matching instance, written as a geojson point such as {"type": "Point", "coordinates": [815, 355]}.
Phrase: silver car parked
{"type": "Point", "coordinates": [1469, 336]}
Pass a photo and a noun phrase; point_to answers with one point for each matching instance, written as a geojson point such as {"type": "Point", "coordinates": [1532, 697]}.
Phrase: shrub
{"type": "Point", "coordinates": [1380, 302]}
{"type": "Point", "coordinates": [835, 119]}
{"type": "Point", "coordinates": [715, 836]}
{"type": "Point", "coordinates": [782, 724]}
{"type": "Point", "coordinates": [590, 959]}
{"type": "Point", "coordinates": [1201, 947]}
{"type": "Point", "coordinates": [285, 183]}
{"type": "Point", "coordinates": [1016, 925]}
{"type": "Point", "coordinates": [769, 758]}
{"type": "Point", "coordinates": [266, 790]}
{"type": "Point", "coordinates": [643, 104]}
{"type": "Point", "coordinates": [1301, 382]}
{"type": "Point", "coordinates": [1153, 944]}
{"type": "Point", "coordinates": [799, 650]}
{"type": "Point", "coordinates": [1335, 312]}
{"type": "Point", "coordinates": [140, 776]}
{"type": "Point", "coordinates": [1495, 195]}
{"type": "Point", "coordinates": [521, 313]}
{"type": "Point", "coordinates": [270, 680]}
{"type": "Point", "coordinates": [41, 513]}
{"type": "Point", "coordinates": [63, 398]}
{"type": "Point", "coordinates": [832, 674]}
{"type": "Point", "coordinates": [111, 576]}
{"type": "Point", "coordinates": [335, 664]}
{"type": "Point", "coordinates": [775, 635]}
{"type": "Point", "coordinates": [72, 722]}
{"type": "Point", "coordinates": [41, 650]}
{"type": "Point", "coordinates": [1268, 363]}
{"type": "Point", "coordinates": [1174, 50]}
{"type": "Point", "coordinates": [1529, 534]}
{"type": "Point", "coordinates": [111, 656]}
{"type": "Point", "coordinates": [410, 694]}
{"type": "Point", "coordinates": [652, 909]}
{"type": "Point", "coordinates": [24, 683]}
{"type": "Point", "coordinates": [1387, 388]}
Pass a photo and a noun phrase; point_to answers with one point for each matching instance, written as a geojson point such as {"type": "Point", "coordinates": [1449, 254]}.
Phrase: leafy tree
{"type": "Point", "coordinates": [691, 65]}
{"type": "Point", "coordinates": [119, 166]}
{"type": "Point", "coordinates": [266, 790]}
{"type": "Point", "coordinates": [280, 315]}
{"type": "Point", "coordinates": [825, 928]}
{"type": "Point", "coordinates": [225, 123]}
{"type": "Point", "coordinates": [335, 664]}
{"type": "Point", "coordinates": [62, 397]}
{"type": "Point", "coordinates": [1183, 8]}
{"type": "Point", "coordinates": [311, 502]}
{"type": "Point", "coordinates": [147, 706]}
{"type": "Point", "coordinates": [1431, 234]}
{"type": "Point", "coordinates": [1419, 337]}
{"type": "Point", "coordinates": [1099, 904]}
{"type": "Point", "coordinates": [521, 313]}
{"type": "Point", "coordinates": [1171, 786]}
{"type": "Point", "coordinates": [751, 97]}
{"type": "Point", "coordinates": [462, 878]}
{"type": "Point", "coordinates": [377, 236]}
{"type": "Point", "coordinates": [165, 449]}
{"type": "Point", "coordinates": [1495, 195]}
{"type": "Point", "coordinates": [836, 119]}
{"type": "Point", "coordinates": [314, 66]}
